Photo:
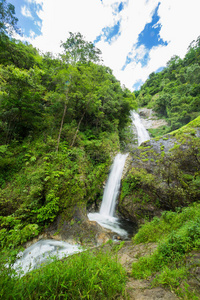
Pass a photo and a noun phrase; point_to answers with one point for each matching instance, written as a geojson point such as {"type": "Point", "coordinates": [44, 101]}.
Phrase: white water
{"type": "Point", "coordinates": [142, 133]}
{"type": "Point", "coordinates": [106, 217]}
{"type": "Point", "coordinates": [111, 191]}
{"type": "Point", "coordinates": [42, 252]}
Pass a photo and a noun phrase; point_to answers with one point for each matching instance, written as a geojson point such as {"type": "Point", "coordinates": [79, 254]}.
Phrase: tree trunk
{"type": "Point", "coordinates": [79, 123]}
{"type": "Point", "coordinates": [61, 126]}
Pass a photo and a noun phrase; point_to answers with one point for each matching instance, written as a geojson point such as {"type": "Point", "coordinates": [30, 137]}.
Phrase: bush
{"type": "Point", "coordinates": [178, 234]}
{"type": "Point", "coordinates": [159, 229]}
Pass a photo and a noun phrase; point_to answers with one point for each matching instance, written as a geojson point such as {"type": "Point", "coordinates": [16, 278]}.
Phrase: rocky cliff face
{"type": "Point", "coordinates": [150, 120]}
{"type": "Point", "coordinates": [163, 173]}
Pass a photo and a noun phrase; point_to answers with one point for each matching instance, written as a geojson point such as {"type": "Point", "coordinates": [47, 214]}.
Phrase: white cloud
{"type": "Point", "coordinates": [179, 21]}
{"type": "Point", "coordinates": [32, 34]}
{"type": "Point", "coordinates": [35, 1]}
{"type": "Point", "coordinates": [26, 12]}
{"type": "Point", "coordinates": [59, 17]}
{"type": "Point", "coordinates": [38, 23]}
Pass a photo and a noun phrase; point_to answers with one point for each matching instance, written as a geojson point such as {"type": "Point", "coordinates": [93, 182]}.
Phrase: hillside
{"type": "Point", "coordinates": [163, 174]}
{"type": "Point", "coordinates": [60, 122]}
{"type": "Point", "coordinates": [174, 93]}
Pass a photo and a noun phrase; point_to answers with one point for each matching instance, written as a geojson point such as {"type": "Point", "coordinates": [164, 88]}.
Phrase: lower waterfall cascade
{"type": "Point", "coordinates": [106, 216]}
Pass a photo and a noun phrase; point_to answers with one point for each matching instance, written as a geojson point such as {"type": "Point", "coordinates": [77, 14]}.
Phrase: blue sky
{"type": "Point", "coordinates": [27, 14]}
{"type": "Point", "coordinates": [136, 37]}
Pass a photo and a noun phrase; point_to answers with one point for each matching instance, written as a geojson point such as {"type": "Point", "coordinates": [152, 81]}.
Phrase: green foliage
{"type": "Point", "coordinates": [134, 180]}
{"type": "Point", "coordinates": [8, 22]}
{"type": "Point", "coordinates": [158, 131]}
{"type": "Point", "coordinates": [15, 233]}
{"type": "Point", "coordinates": [178, 234]}
{"type": "Point", "coordinates": [78, 50]}
{"type": "Point", "coordinates": [170, 221]}
{"type": "Point", "coordinates": [171, 277]}
{"type": "Point", "coordinates": [87, 275]}
{"type": "Point", "coordinates": [21, 55]}
{"type": "Point", "coordinates": [60, 122]}
{"type": "Point", "coordinates": [21, 102]}
{"type": "Point", "coordinates": [174, 93]}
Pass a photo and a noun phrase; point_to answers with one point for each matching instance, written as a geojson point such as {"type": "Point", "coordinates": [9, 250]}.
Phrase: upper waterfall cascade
{"type": "Point", "coordinates": [142, 133]}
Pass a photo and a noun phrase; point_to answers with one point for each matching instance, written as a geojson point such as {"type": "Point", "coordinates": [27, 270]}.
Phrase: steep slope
{"type": "Point", "coordinates": [163, 174]}
{"type": "Point", "coordinates": [174, 93]}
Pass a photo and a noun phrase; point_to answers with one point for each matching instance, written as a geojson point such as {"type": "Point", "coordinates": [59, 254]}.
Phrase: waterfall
{"type": "Point", "coordinates": [39, 252]}
{"type": "Point", "coordinates": [112, 188]}
{"type": "Point", "coordinates": [106, 217]}
{"type": "Point", "coordinates": [142, 133]}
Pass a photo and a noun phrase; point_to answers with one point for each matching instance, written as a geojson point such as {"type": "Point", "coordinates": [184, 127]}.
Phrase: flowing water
{"type": "Point", "coordinates": [42, 252]}
{"type": "Point", "coordinates": [106, 216]}
{"type": "Point", "coordinates": [142, 133]}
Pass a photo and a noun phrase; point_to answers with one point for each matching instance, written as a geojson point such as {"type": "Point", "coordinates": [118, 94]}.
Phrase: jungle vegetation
{"type": "Point", "coordinates": [174, 93]}
{"type": "Point", "coordinates": [60, 120]}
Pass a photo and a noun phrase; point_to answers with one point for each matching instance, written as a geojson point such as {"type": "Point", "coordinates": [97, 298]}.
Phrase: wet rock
{"type": "Point", "coordinates": [102, 238]}
{"type": "Point", "coordinates": [77, 230]}
{"type": "Point", "coordinates": [150, 120]}
{"type": "Point", "coordinates": [138, 212]}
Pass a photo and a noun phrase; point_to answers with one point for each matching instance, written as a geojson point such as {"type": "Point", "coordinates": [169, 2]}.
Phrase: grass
{"type": "Point", "coordinates": [177, 234]}
{"type": "Point", "coordinates": [89, 275]}
{"type": "Point", "coordinates": [160, 228]}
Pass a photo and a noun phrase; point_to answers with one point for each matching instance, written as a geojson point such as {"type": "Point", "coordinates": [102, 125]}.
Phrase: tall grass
{"type": "Point", "coordinates": [177, 234]}
{"type": "Point", "coordinates": [160, 228]}
{"type": "Point", "coordinates": [87, 275]}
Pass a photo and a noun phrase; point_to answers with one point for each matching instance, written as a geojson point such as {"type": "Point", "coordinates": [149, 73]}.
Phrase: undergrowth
{"type": "Point", "coordinates": [87, 275]}
{"type": "Point", "coordinates": [177, 234]}
{"type": "Point", "coordinates": [159, 228]}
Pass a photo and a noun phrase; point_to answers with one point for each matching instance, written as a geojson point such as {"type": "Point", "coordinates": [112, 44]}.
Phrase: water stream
{"type": "Point", "coordinates": [106, 216]}
{"type": "Point", "coordinates": [42, 252]}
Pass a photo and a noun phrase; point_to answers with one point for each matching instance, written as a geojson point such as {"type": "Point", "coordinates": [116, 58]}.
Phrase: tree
{"type": "Point", "coordinates": [21, 101]}
{"type": "Point", "coordinates": [21, 55]}
{"type": "Point", "coordinates": [78, 50]}
{"type": "Point", "coordinates": [8, 22]}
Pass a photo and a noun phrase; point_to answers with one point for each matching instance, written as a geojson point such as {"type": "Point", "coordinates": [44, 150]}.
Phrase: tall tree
{"type": "Point", "coordinates": [8, 22]}
{"type": "Point", "coordinates": [78, 50]}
